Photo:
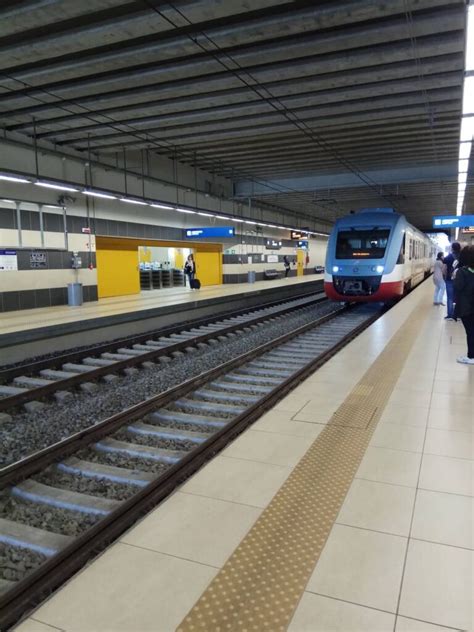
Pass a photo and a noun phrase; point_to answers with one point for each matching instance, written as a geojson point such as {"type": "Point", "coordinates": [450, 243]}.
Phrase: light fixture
{"type": "Point", "coordinates": [14, 179]}
{"type": "Point", "coordinates": [465, 150]}
{"type": "Point", "coordinates": [185, 210]}
{"type": "Point", "coordinates": [379, 269]}
{"type": "Point", "coordinates": [221, 217]}
{"type": "Point", "coordinates": [8, 201]}
{"type": "Point", "coordinates": [467, 128]}
{"type": "Point", "coordinates": [100, 195]}
{"type": "Point", "coordinates": [59, 187]}
{"type": "Point", "coordinates": [463, 166]}
{"type": "Point", "coordinates": [52, 206]}
{"type": "Point", "coordinates": [235, 219]}
{"type": "Point", "coordinates": [335, 268]}
{"type": "Point", "coordinates": [469, 60]}
{"type": "Point", "coordinates": [462, 178]}
{"type": "Point", "coordinates": [205, 214]}
{"type": "Point", "coordinates": [164, 206]}
{"type": "Point", "coordinates": [248, 221]}
{"type": "Point", "coordinates": [468, 96]}
{"type": "Point", "coordinates": [131, 201]}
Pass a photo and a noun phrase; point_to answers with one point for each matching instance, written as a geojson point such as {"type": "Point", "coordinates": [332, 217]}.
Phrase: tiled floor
{"type": "Point", "coordinates": [400, 555]}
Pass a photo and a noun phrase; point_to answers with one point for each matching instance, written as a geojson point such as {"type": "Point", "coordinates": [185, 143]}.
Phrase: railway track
{"type": "Point", "coordinates": [57, 377]}
{"type": "Point", "coordinates": [59, 505]}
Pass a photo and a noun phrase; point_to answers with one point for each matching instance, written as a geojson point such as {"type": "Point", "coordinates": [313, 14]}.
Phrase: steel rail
{"type": "Point", "coordinates": [36, 586]}
{"type": "Point", "coordinates": [76, 379]}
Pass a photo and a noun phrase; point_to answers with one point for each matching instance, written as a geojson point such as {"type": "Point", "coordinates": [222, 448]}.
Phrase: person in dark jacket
{"type": "Point", "coordinates": [190, 269]}
{"type": "Point", "coordinates": [464, 291]}
{"type": "Point", "coordinates": [286, 263]}
{"type": "Point", "coordinates": [450, 262]}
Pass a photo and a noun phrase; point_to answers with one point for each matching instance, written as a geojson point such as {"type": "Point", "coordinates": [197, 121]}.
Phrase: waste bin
{"type": "Point", "coordinates": [251, 276]}
{"type": "Point", "coordinates": [74, 294]}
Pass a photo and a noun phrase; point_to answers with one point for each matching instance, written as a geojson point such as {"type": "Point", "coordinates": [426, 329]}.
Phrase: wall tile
{"type": "Point", "coordinates": [27, 299]}
{"type": "Point", "coordinates": [42, 298]}
{"type": "Point", "coordinates": [11, 301]}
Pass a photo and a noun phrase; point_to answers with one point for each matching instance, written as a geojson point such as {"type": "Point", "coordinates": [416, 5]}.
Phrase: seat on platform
{"type": "Point", "coordinates": [271, 274]}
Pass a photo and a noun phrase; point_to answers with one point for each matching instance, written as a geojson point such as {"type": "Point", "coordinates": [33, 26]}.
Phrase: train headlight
{"type": "Point", "coordinates": [335, 268]}
{"type": "Point", "coordinates": [379, 269]}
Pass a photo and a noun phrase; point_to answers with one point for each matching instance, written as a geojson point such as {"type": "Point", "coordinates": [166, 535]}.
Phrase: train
{"type": "Point", "coordinates": [375, 255]}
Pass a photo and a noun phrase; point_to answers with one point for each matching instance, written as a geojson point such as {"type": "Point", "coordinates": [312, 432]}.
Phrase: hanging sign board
{"type": "Point", "coordinates": [210, 231]}
{"type": "Point", "coordinates": [272, 244]}
{"type": "Point", "coordinates": [469, 230]}
{"type": "Point", "coordinates": [303, 244]}
{"type": "Point", "coordinates": [8, 260]}
{"type": "Point", "coordinates": [299, 234]}
{"type": "Point", "coordinates": [453, 221]}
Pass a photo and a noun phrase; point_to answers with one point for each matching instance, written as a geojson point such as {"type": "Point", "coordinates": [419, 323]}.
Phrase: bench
{"type": "Point", "coordinates": [271, 274]}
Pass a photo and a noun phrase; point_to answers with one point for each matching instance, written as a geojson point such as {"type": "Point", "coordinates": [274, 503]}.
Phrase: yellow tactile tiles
{"type": "Point", "coordinates": [260, 585]}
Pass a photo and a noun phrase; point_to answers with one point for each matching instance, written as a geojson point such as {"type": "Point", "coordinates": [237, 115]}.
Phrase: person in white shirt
{"type": "Point", "coordinates": [439, 276]}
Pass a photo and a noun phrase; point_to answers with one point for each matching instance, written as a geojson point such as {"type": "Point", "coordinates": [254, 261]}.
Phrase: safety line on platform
{"type": "Point", "coordinates": [260, 585]}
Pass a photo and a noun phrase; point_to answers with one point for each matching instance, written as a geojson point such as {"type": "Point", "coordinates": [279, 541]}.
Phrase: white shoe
{"type": "Point", "coordinates": [465, 360]}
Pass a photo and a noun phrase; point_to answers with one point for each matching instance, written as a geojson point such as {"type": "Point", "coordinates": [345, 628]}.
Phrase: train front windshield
{"type": "Point", "coordinates": [368, 243]}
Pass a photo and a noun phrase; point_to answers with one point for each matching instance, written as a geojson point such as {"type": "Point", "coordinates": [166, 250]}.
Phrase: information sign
{"type": "Point", "coordinates": [272, 258]}
{"type": "Point", "coordinates": [299, 234]}
{"type": "Point", "coordinates": [8, 260]}
{"type": "Point", "coordinates": [453, 221]}
{"type": "Point", "coordinates": [210, 231]}
{"type": "Point", "coordinates": [38, 260]}
{"type": "Point", "coordinates": [272, 244]}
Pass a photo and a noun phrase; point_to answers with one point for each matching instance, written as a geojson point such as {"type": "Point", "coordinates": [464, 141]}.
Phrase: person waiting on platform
{"type": "Point", "coordinates": [438, 279]}
{"type": "Point", "coordinates": [286, 263]}
{"type": "Point", "coordinates": [190, 269]}
{"type": "Point", "coordinates": [464, 291]}
{"type": "Point", "coordinates": [451, 262]}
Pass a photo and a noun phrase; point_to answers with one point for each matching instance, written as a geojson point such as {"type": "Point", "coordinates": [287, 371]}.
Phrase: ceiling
{"type": "Point", "coordinates": [318, 107]}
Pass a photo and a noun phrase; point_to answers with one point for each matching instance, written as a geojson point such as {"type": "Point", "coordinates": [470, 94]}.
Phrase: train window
{"type": "Point", "coordinates": [401, 254]}
{"type": "Point", "coordinates": [368, 243]}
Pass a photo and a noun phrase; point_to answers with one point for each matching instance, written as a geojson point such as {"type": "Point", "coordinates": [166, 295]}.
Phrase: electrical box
{"type": "Point", "coordinates": [76, 261]}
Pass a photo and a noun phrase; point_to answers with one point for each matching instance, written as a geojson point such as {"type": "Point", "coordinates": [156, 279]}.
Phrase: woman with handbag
{"type": "Point", "coordinates": [463, 282]}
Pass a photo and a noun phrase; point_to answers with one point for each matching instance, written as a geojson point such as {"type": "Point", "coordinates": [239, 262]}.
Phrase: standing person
{"type": "Point", "coordinates": [450, 262]}
{"type": "Point", "coordinates": [438, 279]}
{"type": "Point", "coordinates": [190, 269]}
{"type": "Point", "coordinates": [464, 286]}
{"type": "Point", "coordinates": [286, 263]}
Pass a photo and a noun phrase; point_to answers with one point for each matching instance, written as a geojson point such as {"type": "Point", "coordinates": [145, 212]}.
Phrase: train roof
{"type": "Point", "coordinates": [370, 217]}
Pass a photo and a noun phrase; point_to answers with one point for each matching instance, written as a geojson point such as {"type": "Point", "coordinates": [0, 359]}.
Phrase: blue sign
{"type": "Point", "coordinates": [453, 221]}
{"type": "Point", "coordinates": [211, 231]}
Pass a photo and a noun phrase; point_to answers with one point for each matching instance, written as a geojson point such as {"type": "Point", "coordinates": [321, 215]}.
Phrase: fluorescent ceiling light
{"type": "Point", "coordinates": [271, 226]}
{"type": "Point", "coordinates": [205, 214]}
{"type": "Point", "coordinates": [465, 150]}
{"type": "Point", "coordinates": [469, 62]}
{"type": "Point", "coordinates": [221, 217]}
{"type": "Point", "coordinates": [234, 219]}
{"type": "Point", "coordinates": [185, 210]}
{"type": "Point", "coordinates": [8, 201]}
{"type": "Point", "coordinates": [468, 96]}
{"type": "Point", "coordinates": [52, 206]}
{"type": "Point", "coordinates": [463, 166]}
{"type": "Point", "coordinates": [59, 187]}
{"type": "Point", "coordinates": [100, 195]}
{"type": "Point", "coordinates": [467, 128]}
{"type": "Point", "coordinates": [247, 221]}
{"type": "Point", "coordinates": [462, 178]}
{"type": "Point", "coordinates": [14, 179]}
{"type": "Point", "coordinates": [165, 206]}
{"type": "Point", "coordinates": [130, 201]}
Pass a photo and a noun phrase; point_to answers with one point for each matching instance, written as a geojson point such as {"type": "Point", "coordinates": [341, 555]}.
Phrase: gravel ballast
{"type": "Point", "coordinates": [16, 562]}
{"type": "Point", "coordinates": [29, 432]}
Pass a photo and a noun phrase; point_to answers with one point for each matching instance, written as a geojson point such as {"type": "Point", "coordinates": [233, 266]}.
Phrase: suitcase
{"type": "Point", "coordinates": [196, 284]}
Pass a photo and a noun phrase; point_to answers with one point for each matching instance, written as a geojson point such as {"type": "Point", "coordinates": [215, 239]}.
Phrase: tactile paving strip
{"type": "Point", "coordinates": [262, 582]}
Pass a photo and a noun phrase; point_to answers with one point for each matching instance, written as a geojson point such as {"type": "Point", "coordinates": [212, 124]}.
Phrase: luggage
{"type": "Point", "coordinates": [196, 284]}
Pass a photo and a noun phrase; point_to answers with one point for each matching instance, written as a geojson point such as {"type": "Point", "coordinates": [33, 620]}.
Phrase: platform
{"type": "Point", "coordinates": [36, 331]}
{"type": "Point", "coordinates": [349, 506]}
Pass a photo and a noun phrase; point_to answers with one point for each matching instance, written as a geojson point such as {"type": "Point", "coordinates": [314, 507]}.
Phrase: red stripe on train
{"type": "Point", "coordinates": [386, 292]}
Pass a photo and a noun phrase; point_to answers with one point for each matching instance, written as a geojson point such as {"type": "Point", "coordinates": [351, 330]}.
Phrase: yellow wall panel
{"type": "Point", "coordinates": [208, 267]}
{"type": "Point", "coordinates": [300, 260]}
{"type": "Point", "coordinates": [117, 272]}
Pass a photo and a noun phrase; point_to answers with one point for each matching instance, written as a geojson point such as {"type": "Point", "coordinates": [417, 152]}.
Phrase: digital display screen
{"type": "Point", "coordinates": [210, 231]}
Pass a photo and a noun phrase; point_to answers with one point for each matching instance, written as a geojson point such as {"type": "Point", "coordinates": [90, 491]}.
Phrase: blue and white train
{"type": "Point", "coordinates": [376, 255]}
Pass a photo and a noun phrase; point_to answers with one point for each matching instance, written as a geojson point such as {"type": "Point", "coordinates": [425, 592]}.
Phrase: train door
{"type": "Point", "coordinates": [300, 260]}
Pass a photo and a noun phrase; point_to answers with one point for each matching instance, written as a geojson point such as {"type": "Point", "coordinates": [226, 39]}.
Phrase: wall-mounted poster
{"type": "Point", "coordinates": [272, 258]}
{"type": "Point", "coordinates": [8, 260]}
{"type": "Point", "coordinates": [38, 260]}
